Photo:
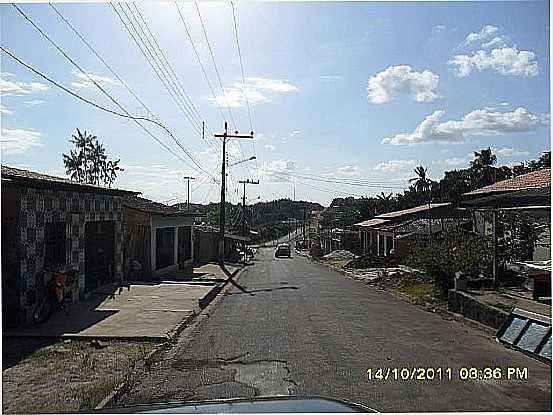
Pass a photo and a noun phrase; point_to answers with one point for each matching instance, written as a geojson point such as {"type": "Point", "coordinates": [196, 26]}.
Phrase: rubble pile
{"type": "Point", "coordinates": [339, 255]}
{"type": "Point", "coordinates": [373, 261]}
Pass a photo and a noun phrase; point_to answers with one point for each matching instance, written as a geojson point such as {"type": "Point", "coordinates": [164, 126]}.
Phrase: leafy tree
{"type": "Point", "coordinates": [88, 162]}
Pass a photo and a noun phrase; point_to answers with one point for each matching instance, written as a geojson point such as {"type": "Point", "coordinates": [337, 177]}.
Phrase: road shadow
{"type": "Point", "coordinates": [263, 290]}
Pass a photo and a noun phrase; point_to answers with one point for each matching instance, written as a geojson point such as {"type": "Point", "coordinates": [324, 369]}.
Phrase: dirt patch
{"type": "Point", "coordinates": [67, 375]}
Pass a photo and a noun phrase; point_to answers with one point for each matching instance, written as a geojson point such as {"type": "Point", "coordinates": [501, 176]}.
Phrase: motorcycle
{"type": "Point", "coordinates": [57, 290]}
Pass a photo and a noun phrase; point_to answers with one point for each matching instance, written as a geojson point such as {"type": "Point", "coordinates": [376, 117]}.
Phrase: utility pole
{"type": "Point", "coordinates": [188, 178]}
{"type": "Point", "coordinates": [304, 216]}
{"type": "Point", "coordinates": [245, 182]}
{"type": "Point", "coordinates": [225, 136]}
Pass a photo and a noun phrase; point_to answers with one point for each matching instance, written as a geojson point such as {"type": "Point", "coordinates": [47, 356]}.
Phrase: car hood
{"type": "Point", "coordinates": [274, 404]}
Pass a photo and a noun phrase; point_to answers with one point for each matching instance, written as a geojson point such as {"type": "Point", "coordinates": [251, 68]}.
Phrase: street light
{"type": "Point", "coordinates": [242, 161]}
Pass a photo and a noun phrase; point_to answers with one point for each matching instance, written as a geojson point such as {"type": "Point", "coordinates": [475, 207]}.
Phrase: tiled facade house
{"type": "Point", "coordinates": [51, 223]}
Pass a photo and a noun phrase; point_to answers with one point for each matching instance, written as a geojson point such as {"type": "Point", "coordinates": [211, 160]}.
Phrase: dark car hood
{"type": "Point", "coordinates": [276, 404]}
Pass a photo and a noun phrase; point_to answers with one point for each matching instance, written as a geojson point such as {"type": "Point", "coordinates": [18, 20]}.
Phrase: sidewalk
{"type": "Point", "coordinates": [141, 310]}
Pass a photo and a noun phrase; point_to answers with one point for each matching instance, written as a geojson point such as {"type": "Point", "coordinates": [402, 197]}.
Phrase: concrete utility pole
{"type": "Point", "coordinates": [225, 136]}
{"type": "Point", "coordinates": [245, 182]}
{"type": "Point", "coordinates": [188, 178]}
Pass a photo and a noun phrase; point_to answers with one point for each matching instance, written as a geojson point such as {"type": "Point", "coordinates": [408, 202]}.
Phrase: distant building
{"type": "Point", "coordinates": [398, 231]}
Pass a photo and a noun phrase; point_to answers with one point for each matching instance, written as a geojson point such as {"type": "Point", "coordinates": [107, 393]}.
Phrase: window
{"type": "Point", "coordinates": [165, 247]}
{"type": "Point", "coordinates": [54, 244]}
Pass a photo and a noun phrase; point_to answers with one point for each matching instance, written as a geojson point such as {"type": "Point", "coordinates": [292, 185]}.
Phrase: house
{"type": "Point", "coordinates": [50, 222]}
{"type": "Point", "coordinates": [399, 230]}
{"type": "Point", "coordinates": [529, 194]}
{"type": "Point", "coordinates": [159, 239]}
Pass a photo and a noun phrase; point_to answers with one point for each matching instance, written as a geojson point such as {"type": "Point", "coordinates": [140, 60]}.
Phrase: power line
{"type": "Point", "coordinates": [113, 72]}
{"type": "Point", "coordinates": [214, 64]}
{"type": "Point", "coordinates": [62, 17]}
{"type": "Point", "coordinates": [199, 60]}
{"type": "Point", "coordinates": [162, 77]}
{"type": "Point", "coordinates": [349, 183]}
{"type": "Point", "coordinates": [171, 83]}
{"type": "Point", "coordinates": [127, 115]}
{"type": "Point", "coordinates": [75, 64]}
{"type": "Point", "coordinates": [176, 81]}
{"type": "Point", "coordinates": [244, 81]}
{"type": "Point", "coordinates": [241, 65]}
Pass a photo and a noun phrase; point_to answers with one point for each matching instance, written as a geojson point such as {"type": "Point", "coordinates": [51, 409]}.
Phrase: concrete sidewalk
{"type": "Point", "coordinates": [141, 310]}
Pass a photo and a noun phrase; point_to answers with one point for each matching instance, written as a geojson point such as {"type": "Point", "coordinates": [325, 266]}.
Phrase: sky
{"type": "Point", "coordinates": [346, 98]}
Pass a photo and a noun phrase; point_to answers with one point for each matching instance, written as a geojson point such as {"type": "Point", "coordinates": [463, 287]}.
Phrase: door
{"type": "Point", "coordinates": [184, 245]}
{"type": "Point", "coordinates": [99, 265]}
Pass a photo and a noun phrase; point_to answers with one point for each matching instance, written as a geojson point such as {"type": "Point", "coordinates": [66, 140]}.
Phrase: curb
{"type": "Point", "coordinates": [203, 302]}
{"type": "Point", "coordinates": [440, 311]}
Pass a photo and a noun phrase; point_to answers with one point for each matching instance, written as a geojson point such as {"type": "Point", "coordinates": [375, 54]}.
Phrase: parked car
{"type": "Point", "coordinates": [283, 250]}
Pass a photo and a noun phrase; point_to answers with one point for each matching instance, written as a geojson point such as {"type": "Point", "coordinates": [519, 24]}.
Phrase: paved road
{"type": "Point", "coordinates": [296, 327]}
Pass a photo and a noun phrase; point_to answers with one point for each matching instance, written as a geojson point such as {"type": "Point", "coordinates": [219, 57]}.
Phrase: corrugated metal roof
{"type": "Point", "coordinates": [417, 209]}
{"type": "Point", "coordinates": [532, 180]}
{"type": "Point", "coordinates": [371, 222]}
{"type": "Point", "coordinates": [150, 206]}
{"type": "Point", "coordinates": [28, 176]}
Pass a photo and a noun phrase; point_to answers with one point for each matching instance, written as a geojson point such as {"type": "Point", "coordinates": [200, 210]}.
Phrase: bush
{"type": "Point", "coordinates": [449, 253]}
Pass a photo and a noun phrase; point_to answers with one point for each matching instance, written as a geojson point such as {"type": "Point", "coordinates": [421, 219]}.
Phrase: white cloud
{"type": "Point", "coordinates": [256, 92]}
{"type": "Point", "coordinates": [506, 61]}
{"type": "Point", "coordinates": [234, 97]}
{"type": "Point", "coordinates": [456, 161]}
{"type": "Point", "coordinates": [476, 123]}
{"type": "Point", "coordinates": [270, 147]}
{"type": "Point", "coordinates": [12, 87]}
{"type": "Point", "coordinates": [349, 171]}
{"type": "Point", "coordinates": [273, 85]}
{"type": "Point", "coordinates": [18, 141]}
{"type": "Point", "coordinates": [34, 102]}
{"type": "Point", "coordinates": [496, 42]}
{"type": "Point", "coordinates": [5, 110]}
{"type": "Point", "coordinates": [439, 28]}
{"type": "Point", "coordinates": [85, 81]}
{"type": "Point", "coordinates": [295, 132]}
{"type": "Point", "coordinates": [395, 166]}
{"type": "Point", "coordinates": [484, 33]}
{"type": "Point", "coordinates": [510, 152]}
{"type": "Point", "coordinates": [278, 171]}
{"type": "Point", "coordinates": [402, 80]}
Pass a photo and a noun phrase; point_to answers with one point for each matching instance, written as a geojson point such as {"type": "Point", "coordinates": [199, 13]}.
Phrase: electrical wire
{"type": "Point", "coordinates": [215, 64]}
{"type": "Point", "coordinates": [250, 116]}
{"type": "Point", "coordinates": [100, 107]}
{"type": "Point", "coordinates": [149, 58]}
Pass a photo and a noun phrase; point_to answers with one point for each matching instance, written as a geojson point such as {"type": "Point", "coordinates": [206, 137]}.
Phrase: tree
{"type": "Point", "coordinates": [423, 185]}
{"type": "Point", "coordinates": [482, 166]}
{"type": "Point", "coordinates": [88, 162]}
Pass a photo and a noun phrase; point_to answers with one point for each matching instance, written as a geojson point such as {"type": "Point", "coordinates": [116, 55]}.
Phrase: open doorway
{"type": "Point", "coordinates": [99, 254]}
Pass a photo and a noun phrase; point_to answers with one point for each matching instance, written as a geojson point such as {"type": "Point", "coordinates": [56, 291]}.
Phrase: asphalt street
{"type": "Point", "coordinates": [292, 326]}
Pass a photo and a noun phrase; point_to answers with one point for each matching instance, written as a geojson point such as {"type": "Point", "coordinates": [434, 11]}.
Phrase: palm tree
{"type": "Point", "coordinates": [384, 201]}
{"type": "Point", "coordinates": [482, 166]}
{"type": "Point", "coordinates": [423, 185]}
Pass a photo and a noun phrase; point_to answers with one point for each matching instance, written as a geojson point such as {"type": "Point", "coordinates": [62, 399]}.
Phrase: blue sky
{"type": "Point", "coordinates": [356, 91]}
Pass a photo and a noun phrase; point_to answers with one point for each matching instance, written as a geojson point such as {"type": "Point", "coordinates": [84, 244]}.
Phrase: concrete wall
{"type": "Point", "coordinates": [463, 303]}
